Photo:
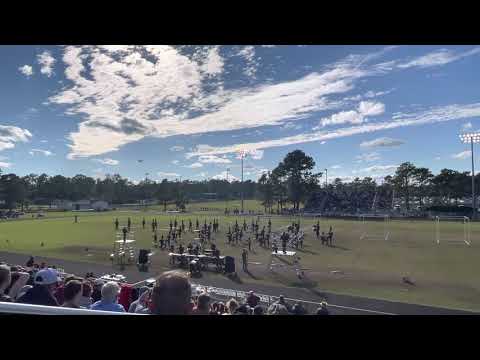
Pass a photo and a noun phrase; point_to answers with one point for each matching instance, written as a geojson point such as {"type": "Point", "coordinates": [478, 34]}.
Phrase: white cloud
{"type": "Point", "coordinates": [365, 108]}
{"type": "Point", "coordinates": [195, 165]}
{"type": "Point", "coordinates": [256, 154]}
{"type": "Point", "coordinates": [380, 169]}
{"type": "Point", "coordinates": [467, 126]}
{"type": "Point", "coordinates": [177, 148]}
{"type": "Point", "coordinates": [336, 167]}
{"type": "Point", "coordinates": [167, 174]}
{"type": "Point", "coordinates": [175, 162]}
{"type": "Point", "coordinates": [223, 176]}
{"type": "Point", "coordinates": [438, 57]}
{"type": "Point", "coordinates": [373, 156]}
{"type": "Point", "coordinates": [438, 158]}
{"type": "Point", "coordinates": [323, 142]}
{"type": "Point", "coordinates": [26, 70]}
{"type": "Point", "coordinates": [46, 61]}
{"type": "Point", "coordinates": [44, 141]}
{"type": "Point", "coordinates": [44, 152]}
{"type": "Point", "coordinates": [462, 155]}
{"type": "Point", "coordinates": [432, 116]}
{"type": "Point", "coordinates": [214, 62]}
{"type": "Point", "coordinates": [382, 142]}
{"type": "Point", "coordinates": [5, 164]}
{"type": "Point", "coordinates": [9, 135]}
{"type": "Point", "coordinates": [212, 159]}
{"type": "Point", "coordinates": [107, 161]}
{"type": "Point", "coordinates": [127, 95]}
{"type": "Point", "coordinates": [269, 46]}
{"type": "Point", "coordinates": [370, 108]}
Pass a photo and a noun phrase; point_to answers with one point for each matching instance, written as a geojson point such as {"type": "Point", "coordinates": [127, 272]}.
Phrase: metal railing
{"type": "Point", "coordinates": [28, 309]}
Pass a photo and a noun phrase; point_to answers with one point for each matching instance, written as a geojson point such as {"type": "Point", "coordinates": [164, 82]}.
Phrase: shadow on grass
{"type": "Point", "coordinates": [340, 247]}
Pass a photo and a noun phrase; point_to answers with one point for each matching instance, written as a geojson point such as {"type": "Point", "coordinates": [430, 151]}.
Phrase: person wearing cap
{"type": "Point", "coordinates": [45, 285]}
{"type": "Point", "coordinates": [136, 304]}
{"type": "Point", "coordinates": [109, 301]}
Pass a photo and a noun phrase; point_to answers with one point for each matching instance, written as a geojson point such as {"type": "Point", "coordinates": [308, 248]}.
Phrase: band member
{"type": "Point", "coordinates": [155, 239]}
{"type": "Point", "coordinates": [196, 227]}
{"type": "Point", "coordinates": [175, 224]}
{"type": "Point", "coordinates": [245, 260]}
{"type": "Point", "coordinates": [330, 237]}
{"type": "Point", "coordinates": [143, 223]}
{"type": "Point", "coordinates": [162, 242]}
{"type": "Point", "coordinates": [76, 218]}
{"type": "Point", "coordinates": [153, 226]}
{"type": "Point", "coordinates": [249, 244]}
{"type": "Point", "coordinates": [116, 224]}
{"type": "Point", "coordinates": [125, 231]}
{"type": "Point", "coordinates": [171, 225]}
{"type": "Point", "coordinates": [323, 238]}
{"type": "Point", "coordinates": [181, 249]}
{"type": "Point", "coordinates": [129, 224]}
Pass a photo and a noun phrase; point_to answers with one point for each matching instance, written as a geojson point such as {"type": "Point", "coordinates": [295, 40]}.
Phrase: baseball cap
{"type": "Point", "coordinates": [47, 277]}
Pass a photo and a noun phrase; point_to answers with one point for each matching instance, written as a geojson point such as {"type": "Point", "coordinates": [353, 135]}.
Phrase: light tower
{"type": "Point", "coordinates": [472, 138]}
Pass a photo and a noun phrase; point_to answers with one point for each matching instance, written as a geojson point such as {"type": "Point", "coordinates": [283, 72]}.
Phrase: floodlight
{"type": "Point", "coordinates": [470, 137]}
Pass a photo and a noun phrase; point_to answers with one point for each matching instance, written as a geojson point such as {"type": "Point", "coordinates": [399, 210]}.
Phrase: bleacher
{"type": "Point", "coordinates": [216, 294]}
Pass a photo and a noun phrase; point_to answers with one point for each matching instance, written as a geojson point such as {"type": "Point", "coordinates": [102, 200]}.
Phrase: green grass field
{"type": "Point", "coordinates": [445, 274]}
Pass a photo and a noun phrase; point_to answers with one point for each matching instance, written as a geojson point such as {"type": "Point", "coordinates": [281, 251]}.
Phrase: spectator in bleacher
{"type": "Point", "coordinates": [72, 294]}
{"type": "Point", "coordinates": [45, 285]}
{"type": "Point", "coordinates": [203, 305]}
{"type": "Point", "coordinates": [30, 262]}
{"type": "Point", "coordinates": [252, 299]}
{"type": "Point", "coordinates": [18, 280]}
{"type": "Point", "coordinates": [298, 309]}
{"type": "Point", "coordinates": [60, 289]}
{"type": "Point", "coordinates": [323, 309]}
{"type": "Point", "coordinates": [97, 290]}
{"type": "Point", "coordinates": [171, 294]}
{"type": "Point", "coordinates": [243, 309]}
{"type": "Point", "coordinates": [134, 304]}
{"type": "Point", "coordinates": [232, 305]}
{"type": "Point", "coordinates": [258, 310]}
{"type": "Point", "coordinates": [5, 279]}
{"type": "Point", "coordinates": [277, 309]}
{"type": "Point", "coordinates": [281, 301]}
{"type": "Point", "coordinates": [109, 301]}
{"type": "Point", "coordinates": [86, 298]}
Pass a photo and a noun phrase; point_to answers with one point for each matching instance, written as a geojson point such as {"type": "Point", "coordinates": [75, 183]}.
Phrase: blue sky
{"type": "Point", "coordinates": [187, 111]}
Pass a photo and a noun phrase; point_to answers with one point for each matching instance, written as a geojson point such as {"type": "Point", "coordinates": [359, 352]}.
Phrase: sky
{"type": "Point", "coordinates": [186, 112]}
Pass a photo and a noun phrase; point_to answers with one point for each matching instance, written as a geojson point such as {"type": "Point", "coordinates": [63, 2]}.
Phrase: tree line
{"type": "Point", "coordinates": [290, 184]}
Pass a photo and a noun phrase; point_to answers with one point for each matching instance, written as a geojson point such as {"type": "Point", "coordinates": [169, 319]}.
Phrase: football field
{"type": "Point", "coordinates": [441, 274]}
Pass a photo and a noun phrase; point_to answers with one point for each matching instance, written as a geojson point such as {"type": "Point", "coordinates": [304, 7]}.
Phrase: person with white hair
{"type": "Point", "coordinates": [109, 301]}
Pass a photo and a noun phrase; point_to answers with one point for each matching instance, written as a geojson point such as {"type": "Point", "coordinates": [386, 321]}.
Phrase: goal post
{"type": "Point", "coordinates": [453, 229]}
{"type": "Point", "coordinates": [377, 231]}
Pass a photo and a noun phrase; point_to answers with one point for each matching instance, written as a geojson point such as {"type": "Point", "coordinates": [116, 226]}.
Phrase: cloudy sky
{"type": "Point", "coordinates": [187, 111]}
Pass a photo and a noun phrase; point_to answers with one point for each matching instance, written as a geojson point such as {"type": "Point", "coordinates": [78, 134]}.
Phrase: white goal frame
{"type": "Point", "coordinates": [386, 229]}
{"type": "Point", "coordinates": [467, 230]}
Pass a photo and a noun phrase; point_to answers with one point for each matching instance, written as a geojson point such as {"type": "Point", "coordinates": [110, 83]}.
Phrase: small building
{"type": "Point", "coordinates": [82, 205]}
{"type": "Point", "coordinates": [100, 205]}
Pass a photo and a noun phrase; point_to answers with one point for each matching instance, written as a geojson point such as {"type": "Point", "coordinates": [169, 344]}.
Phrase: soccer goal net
{"type": "Point", "coordinates": [452, 229]}
{"type": "Point", "coordinates": [374, 227]}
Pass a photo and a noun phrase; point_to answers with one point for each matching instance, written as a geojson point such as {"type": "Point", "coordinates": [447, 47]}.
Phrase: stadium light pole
{"type": "Point", "coordinates": [472, 138]}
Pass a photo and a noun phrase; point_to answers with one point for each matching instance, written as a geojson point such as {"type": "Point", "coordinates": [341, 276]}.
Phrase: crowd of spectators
{"type": "Point", "coordinates": [171, 294]}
